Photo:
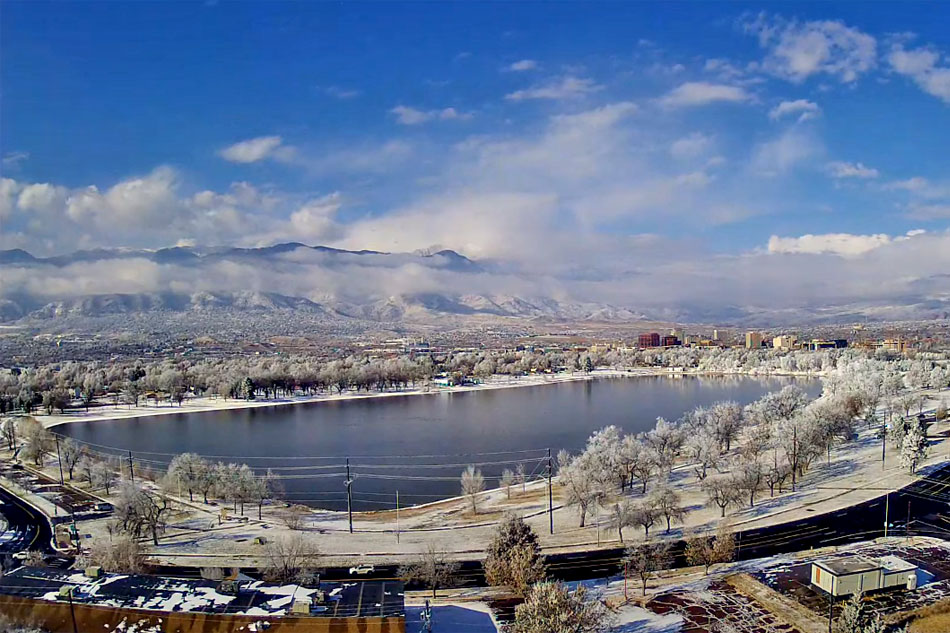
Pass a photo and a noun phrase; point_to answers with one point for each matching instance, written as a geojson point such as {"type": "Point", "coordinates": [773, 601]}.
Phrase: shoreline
{"type": "Point", "coordinates": [208, 404]}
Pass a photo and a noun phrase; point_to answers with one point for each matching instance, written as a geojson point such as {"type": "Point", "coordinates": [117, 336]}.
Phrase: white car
{"type": "Point", "coordinates": [362, 570]}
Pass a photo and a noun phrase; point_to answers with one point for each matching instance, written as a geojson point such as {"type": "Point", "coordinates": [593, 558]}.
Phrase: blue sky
{"type": "Point", "coordinates": [605, 133]}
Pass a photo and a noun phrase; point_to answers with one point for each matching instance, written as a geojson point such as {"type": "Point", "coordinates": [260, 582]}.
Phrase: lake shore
{"type": "Point", "coordinates": [206, 403]}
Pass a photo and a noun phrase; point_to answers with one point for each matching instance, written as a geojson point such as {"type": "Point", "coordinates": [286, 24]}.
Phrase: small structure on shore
{"type": "Point", "coordinates": [855, 574]}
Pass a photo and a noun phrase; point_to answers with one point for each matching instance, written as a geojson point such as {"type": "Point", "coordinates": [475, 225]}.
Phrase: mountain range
{"type": "Point", "coordinates": [337, 286]}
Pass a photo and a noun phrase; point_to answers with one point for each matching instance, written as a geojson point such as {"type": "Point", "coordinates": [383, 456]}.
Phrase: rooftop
{"type": "Point", "coordinates": [848, 566]}
{"type": "Point", "coordinates": [893, 564]}
{"type": "Point", "coordinates": [158, 593]}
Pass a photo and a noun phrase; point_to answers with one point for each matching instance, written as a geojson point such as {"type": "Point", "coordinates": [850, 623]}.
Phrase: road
{"type": "Point", "coordinates": [25, 527]}
{"type": "Point", "coordinates": [923, 508]}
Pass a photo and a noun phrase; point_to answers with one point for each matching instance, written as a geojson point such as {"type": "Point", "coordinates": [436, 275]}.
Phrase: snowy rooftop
{"type": "Point", "coordinates": [158, 593]}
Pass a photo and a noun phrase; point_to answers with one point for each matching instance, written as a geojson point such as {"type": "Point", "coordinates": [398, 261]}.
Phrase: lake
{"type": "Point", "coordinates": [418, 445]}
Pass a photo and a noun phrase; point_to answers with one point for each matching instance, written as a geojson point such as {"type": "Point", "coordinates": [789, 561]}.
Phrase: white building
{"type": "Point", "coordinates": [847, 576]}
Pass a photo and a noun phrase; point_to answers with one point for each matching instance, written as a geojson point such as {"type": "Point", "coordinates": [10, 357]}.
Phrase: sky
{"type": "Point", "coordinates": [769, 143]}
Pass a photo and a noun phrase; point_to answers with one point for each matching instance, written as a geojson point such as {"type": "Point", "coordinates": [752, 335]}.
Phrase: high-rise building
{"type": "Point", "coordinates": [669, 341]}
{"type": "Point", "coordinates": [753, 340]}
{"type": "Point", "coordinates": [650, 340]}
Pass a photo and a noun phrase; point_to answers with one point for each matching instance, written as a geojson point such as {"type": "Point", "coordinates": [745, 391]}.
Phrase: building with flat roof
{"type": "Point", "coordinates": [785, 341]}
{"type": "Point", "coordinates": [649, 340]}
{"type": "Point", "coordinates": [51, 598]}
{"type": "Point", "coordinates": [855, 574]}
{"type": "Point", "coordinates": [753, 340]}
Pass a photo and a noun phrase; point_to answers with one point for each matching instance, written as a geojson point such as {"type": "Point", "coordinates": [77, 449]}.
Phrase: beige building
{"type": "Point", "coordinates": [786, 341]}
{"type": "Point", "coordinates": [753, 340]}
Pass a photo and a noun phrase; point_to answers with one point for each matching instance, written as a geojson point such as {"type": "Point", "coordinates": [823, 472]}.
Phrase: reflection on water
{"type": "Point", "coordinates": [385, 437]}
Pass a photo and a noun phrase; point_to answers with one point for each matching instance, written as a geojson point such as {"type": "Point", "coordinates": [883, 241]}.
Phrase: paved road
{"type": "Point", "coordinates": [24, 527]}
{"type": "Point", "coordinates": [925, 503]}
{"type": "Point", "coordinates": [928, 513]}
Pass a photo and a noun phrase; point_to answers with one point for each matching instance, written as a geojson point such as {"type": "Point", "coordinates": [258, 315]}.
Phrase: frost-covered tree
{"type": "Point", "coordinates": [582, 486]}
{"type": "Point", "coordinates": [913, 447]}
{"type": "Point", "coordinates": [721, 492]}
{"type": "Point", "coordinates": [551, 608]}
{"type": "Point", "coordinates": [473, 483]}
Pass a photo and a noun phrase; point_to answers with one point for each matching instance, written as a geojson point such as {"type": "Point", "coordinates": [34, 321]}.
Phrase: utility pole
{"type": "Point", "coordinates": [349, 494]}
{"type": "Point", "coordinates": [831, 606]}
{"type": "Point", "coordinates": [397, 516]}
{"type": "Point", "coordinates": [59, 459]}
{"type": "Point", "coordinates": [72, 611]}
{"type": "Point", "coordinates": [907, 525]}
{"type": "Point", "coordinates": [883, 444]}
{"type": "Point", "coordinates": [887, 508]}
{"type": "Point", "coordinates": [550, 494]}
{"type": "Point", "coordinates": [131, 468]}
{"type": "Point", "coordinates": [794, 454]}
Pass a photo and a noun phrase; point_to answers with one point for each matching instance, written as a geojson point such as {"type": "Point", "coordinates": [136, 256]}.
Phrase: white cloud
{"type": "Point", "coordinates": [690, 146]}
{"type": "Point", "coordinates": [42, 198]}
{"type": "Point", "coordinates": [569, 87]}
{"type": "Point", "coordinates": [522, 65]}
{"type": "Point", "coordinates": [803, 108]}
{"type": "Point", "coordinates": [840, 169]}
{"type": "Point", "coordinates": [797, 50]}
{"type": "Point", "coordinates": [786, 151]}
{"type": "Point", "coordinates": [406, 115]}
{"type": "Point", "coordinates": [12, 160]}
{"type": "Point", "coordinates": [844, 244]}
{"type": "Point", "coordinates": [697, 93]}
{"type": "Point", "coordinates": [257, 149]}
{"type": "Point", "coordinates": [922, 65]}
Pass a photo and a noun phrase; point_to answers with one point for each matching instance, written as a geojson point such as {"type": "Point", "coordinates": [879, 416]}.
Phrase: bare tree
{"type": "Point", "coordinates": [507, 480]}
{"type": "Point", "coordinates": [102, 475]}
{"type": "Point", "coordinates": [294, 516]}
{"type": "Point", "coordinates": [140, 511]}
{"type": "Point", "coordinates": [292, 559]}
{"type": "Point", "coordinates": [622, 515]}
{"type": "Point", "coordinates": [9, 433]}
{"type": "Point", "coordinates": [645, 515]}
{"type": "Point", "coordinates": [433, 569]}
{"type": "Point", "coordinates": [39, 441]}
{"type": "Point", "coordinates": [646, 559]}
{"type": "Point", "coordinates": [668, 505]}
{"type": "Point", "coordinates": [581, 484]}
{"type": "Point", "coordinates": [473, 483]}
{"type": "Point", "coordinates": [70, 453]}
{"type": "Point", "coordinates": [708, 550]}
{"type": "Point", "coordinates": [521, 478]}
{"type": "Point", "coordinates": [121, 554]}
{"type": "Point", "coordinates": [748, 478]}
{"type": "Point", "coordinates": [721, 492]}
{"type": "Point", "coordinates": [551, 608]}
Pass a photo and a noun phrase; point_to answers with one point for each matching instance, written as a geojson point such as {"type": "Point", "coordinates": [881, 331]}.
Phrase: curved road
{"type": "Point", "coordinates": [922, 508]}
{"type": "Point", "coordinates": [23, 527]}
